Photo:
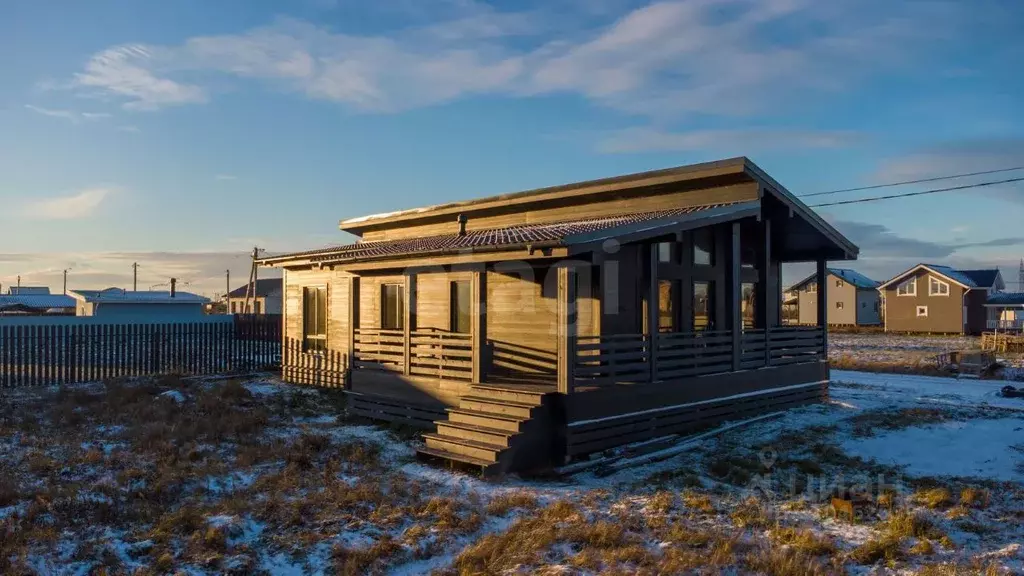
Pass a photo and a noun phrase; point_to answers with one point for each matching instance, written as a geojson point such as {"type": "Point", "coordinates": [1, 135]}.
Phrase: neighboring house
{"type": "Point", "coordinates": [853, 299]}
{"type": "Point", "coordinates": [529, 329]}
{"type": "Point", "coordinates": [268, 297]}
{"type": "Point", "coordinates": [37, 304]}
{"type": "Point", "coordinates": [935, 299]}
{"type": "Point", "coordinates": [1005, 311]}
{"type": "Point", "coordinates": [116, 303]}
{"type": "Point", "coordinates": [28, 291]}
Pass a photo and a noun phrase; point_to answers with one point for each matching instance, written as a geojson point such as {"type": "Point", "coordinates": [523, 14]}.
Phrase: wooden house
{"type": "Point", "coordinates": [934, 299]}
{"type": "Point", "coordinates": [853, 299]}
{"type": "Point", "coordinates": [265, 296]}
{"type": "Point", "coordinates": [530, 329]}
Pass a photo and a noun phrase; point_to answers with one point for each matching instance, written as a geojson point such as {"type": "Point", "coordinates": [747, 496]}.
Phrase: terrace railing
{"type": "Point", "coordinates": [428, 353]}
{"type": "Point", "coordinates": [604, 360]}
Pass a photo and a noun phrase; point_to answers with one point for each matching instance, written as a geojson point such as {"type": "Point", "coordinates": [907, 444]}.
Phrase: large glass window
{"type": "Point", "coordinates": [748, 304]}
{"type": "Point", "coordinates": [392, 307]}
{"type": "Point", "coordinates": [704, 246]}
{"type": "Point", "coordinates": [908, 288]}
{"type": "Point", "coordinates": [937, 287]}
{"type": "Point", "coordinates": [314, 318]}
{"type": "Point", "coordinates": [460, 307]}
{"type": "Point", "coordinates": [664, 251]}
{"type": "Point", "coordinates": [666, 307]}
{"type": "Point", "coordinates": [703, 305]}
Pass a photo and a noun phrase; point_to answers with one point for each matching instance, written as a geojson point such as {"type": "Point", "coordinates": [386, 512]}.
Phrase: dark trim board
{"type": "Point", "coordinates": [394, 410]}
{"type": "Point", "coordinates": [627, 399]}
{"type": "Point", "coordinates": [597, 435]}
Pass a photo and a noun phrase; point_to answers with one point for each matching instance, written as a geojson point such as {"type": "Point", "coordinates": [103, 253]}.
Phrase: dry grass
{"type": "Point", "coordinates": [934, 498]}
{"type": "Point", "coordinates": [804, 541]}
{"type": "Point", "coordinates": [502, 504]}
{"type": "Point", "coordinates": [865, 423]}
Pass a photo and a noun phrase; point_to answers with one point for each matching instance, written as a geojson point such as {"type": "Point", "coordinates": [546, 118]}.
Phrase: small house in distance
{"type": "Point", "coordinates": [37, 305]}
{"type": "Point", "coordinates": [266, 298]}
{"type": "Point", "coordinates": [529, 329]}
{"type": "Point", "coordinates": [28, 291]}
{"type": "Point", "coordinates": [934, 299]}
{"type": "Point", "coordinates": [853, 299]}
{"type": "Point", "coordinates": [118, 304]}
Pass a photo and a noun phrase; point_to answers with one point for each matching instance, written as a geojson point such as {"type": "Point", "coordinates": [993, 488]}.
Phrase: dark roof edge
{"type": "Point", "coordinates": [914, 268]}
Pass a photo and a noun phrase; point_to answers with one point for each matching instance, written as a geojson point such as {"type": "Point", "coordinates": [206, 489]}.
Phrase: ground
{"type": "Point", "coordinates": [255, 476]}
{"type": "Point", "coordinates": [907, 353]}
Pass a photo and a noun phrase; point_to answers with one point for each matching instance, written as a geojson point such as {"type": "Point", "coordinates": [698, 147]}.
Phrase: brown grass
{"type": "Point", "coordinates": [804, 541]}
{"type": "Point", "coordinates": [934, 498]}
{"type": "Point", "coordinates": [504, 503]}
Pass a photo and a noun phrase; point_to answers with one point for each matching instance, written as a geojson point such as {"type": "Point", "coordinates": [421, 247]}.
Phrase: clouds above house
{"type": "Point", "coordinates": [663, 59]}
{"type": "Point", "coordinates": [73, 116]}
{"type": "Point", "coordinates": [81, 204]}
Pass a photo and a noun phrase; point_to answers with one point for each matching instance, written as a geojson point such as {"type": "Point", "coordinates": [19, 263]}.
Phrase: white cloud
{"type": "Point", "coordinates": [129, 128]}
{"type": "Point", "coordinates": [78, 205]}
{"type": "Point", "coordinates": [71, 115]}
{"type": "Point", "coordinates": [666, 58]}
{"type": "Point", "coordinates": [225, 177]}
{"type": "Point", "coordinates": [736, 142]}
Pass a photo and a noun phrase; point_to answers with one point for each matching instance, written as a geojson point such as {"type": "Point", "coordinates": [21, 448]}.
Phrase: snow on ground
{"type": "Point", "coordinates": [906, 350]}
{"type": "Point", "coordinates": [268, 477]}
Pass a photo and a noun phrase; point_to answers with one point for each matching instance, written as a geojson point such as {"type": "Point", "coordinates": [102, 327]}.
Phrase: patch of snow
{"type": "Point", "coordinates": [929, 388]}
{"type": "Point", "coordinates": [174, 395]}
{"type": "Point", "coordinates": [266, 388]}
{"type": "Point", "coordinates": [323, 419]}
{"type": "Point", "coordinates": [975, 448]}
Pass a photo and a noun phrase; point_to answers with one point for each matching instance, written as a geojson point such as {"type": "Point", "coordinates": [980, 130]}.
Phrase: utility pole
{"type": "Point", "coordinates": [227, 291]}
{"type": "Point", "coordinates": [65, 281]}
{"type": "Point", "coordinates": [19, 285]}
{"type": "Point", "coordinates": [135, 276]}
{"type": "Point", "coordinates": [1020, 277]}
{"type": "Point", "coordinates": [250, 290]}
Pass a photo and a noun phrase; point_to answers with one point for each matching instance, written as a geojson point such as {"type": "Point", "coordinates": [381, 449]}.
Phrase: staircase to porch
{"type": "Point", "coordinates": [497, 429]}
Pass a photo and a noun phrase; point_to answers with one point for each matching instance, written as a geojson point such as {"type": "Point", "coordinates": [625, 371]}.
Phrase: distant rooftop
{"type": "Point", "coordinates": [986, 278]}
{"type": "Point", "coordinates": [28, 291]}
{"type": "Point", "coordinates": [121, 296]}
{"type": "Point", "coordinates": [1006, 299]}
{"type": "Point", "coordinates": [849, 276]}
{"type": "Point", "coordinates": [37, 301]}
{"type": "Point", "coordinates": [264, 287]}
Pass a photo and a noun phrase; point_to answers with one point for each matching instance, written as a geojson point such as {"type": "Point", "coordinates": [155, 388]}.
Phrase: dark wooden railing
{"type": "Point", "coordinates": [431, 353]}
{"type": "Point", "coordinates": [603, 360]}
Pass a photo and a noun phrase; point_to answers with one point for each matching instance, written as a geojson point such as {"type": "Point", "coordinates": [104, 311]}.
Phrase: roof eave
{"type": "Point", "coordinates": [905, 273]}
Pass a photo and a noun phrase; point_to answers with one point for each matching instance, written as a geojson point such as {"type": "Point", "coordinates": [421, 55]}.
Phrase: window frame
{"type": "Point", "coordinates": [912, 283]}
{"type": "Point", "coordinates": [812, 288]}
{"type": "Point", "coordinates": [456, 314]}
{"type": "Point", "coordinates": [840, 283]}
{"type": "Point", "coordinates": [399, 306]}
{"type": "Point", "coordinates": [840, 305]}
{"type": "Point", "coordinates": [932, 280]}
{"type": "Point", "coordinates": [697, 235]}
{"type": "Point", "coordinates": [314, 342]}
{"type": "Point", "coordinates": [920, 309]}
{"type": "Point", "coordinates": [709, 305]}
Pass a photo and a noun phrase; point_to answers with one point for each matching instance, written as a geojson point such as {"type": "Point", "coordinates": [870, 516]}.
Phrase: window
{"type": "Point", "coordinates": [703, 305]}
{"type": "Point", "coordinates": [908, 288]}
{"type": "Point", "coordinates": [704, 246]}
{"type": "Point", "coordinates": [459, 307]}
{"type": "Point", "coordinates": [839, 305]}
{"type": "Point", "coordinates": [664, 251]}
{"type": "Point", "coordinates": [812, 288]}
{"type": "Point", "coordinates": [666, 310]}
{"type": "Point", "coordinates": [876, 306]}
{"type": "Point", "coordinates": [314, 318]}
{"type": "Point", "coordinates": [234, 307]}
{"type": "Point", "coordinates": [922, 311]}
{"type": "Point", "coordinates": [937, 287]}
{"type": "Point", "coordinates": [839, 283]}
{"type": "Point", "coordinates": [257, 307]}
{"type": "Point", "coordinates": [748, 304]}
{"type": "Point", "coordinates": [392, 307]}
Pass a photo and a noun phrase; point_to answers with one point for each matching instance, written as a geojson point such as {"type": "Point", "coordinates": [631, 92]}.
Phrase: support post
{"type": "Point", "coordinates": [478, 315]}
{"type": "Point", "coordinates": [566, 328]}
{"type": "Point", "coordinates": [409, 317]}
{"type": "Point", "coordinates": [766, 290]}
{"type": "Point", "coordinates": [735, 294]}
{"type": "Point", "coordinates": [822, 279]}
{"type": "Point", "coordinates": [353, 325]}
{"type": "Point", "coordinates": [653, 298]}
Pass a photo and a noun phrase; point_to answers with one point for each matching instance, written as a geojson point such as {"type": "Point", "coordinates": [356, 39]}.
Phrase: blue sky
{"type": "Point", "coordinates": [178, 134]}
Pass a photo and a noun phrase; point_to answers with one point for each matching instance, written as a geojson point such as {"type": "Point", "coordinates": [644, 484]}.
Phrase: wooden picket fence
{"type": "Point", "coordinates": [66, 353]}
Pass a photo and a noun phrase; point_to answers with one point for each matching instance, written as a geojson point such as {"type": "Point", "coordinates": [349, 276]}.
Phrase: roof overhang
{"type": "Point", "coordinates": [917, 268]}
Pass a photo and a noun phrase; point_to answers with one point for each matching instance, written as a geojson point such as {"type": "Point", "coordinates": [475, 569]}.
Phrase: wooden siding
{"type": "Point", "coordinates": [945, 313]}
{"type": "Point", "coordinates": [624, 202]}
{"type": "Point", "coordinates": [847, 294]}
{"type": "Point", "coordinates": [304, 366]}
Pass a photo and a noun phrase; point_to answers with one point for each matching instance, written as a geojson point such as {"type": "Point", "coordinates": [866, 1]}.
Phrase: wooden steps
{"type": "Point", "coordinates": [495, 428]}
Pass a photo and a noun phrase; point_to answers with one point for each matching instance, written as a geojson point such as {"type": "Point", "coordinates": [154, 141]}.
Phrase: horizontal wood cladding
{"type": "Point", "coordinates": [370, 297]}
{"type": "Point", "coordinates": [570, 208]}
{"type": "Point", "coordinates": [945, 313]}
{"type": "Point", "coordinates": [301, 367]}
{"type": "Point", "coordinates": [433, 299]}
{"type": "Point", "coordinates": [593, 437]}
{"type": "Point", "coordinates": [382, 408]}
{"type": "Point", "coordinates": [628, 398]}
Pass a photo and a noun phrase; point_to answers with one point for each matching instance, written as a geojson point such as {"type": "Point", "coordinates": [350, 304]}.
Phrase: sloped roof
{"type": "Point", "coordinates": [954, 274]}
{"type": "Point", "coordinates": [1005, 299]}
{"type": "Point", "coordinates": [28, 291]}
{"type": "Point", "coordinates": [555, 234]}
{"type": "Point", "coordinates": [982, 278]}
{"type": "Point", "coordinates": [847, 275]}
{"type": "Point", "coordinates": [264, 287]}
{"type": "Point", "coordinates": [118, 296]}
{"type": "Point", "coordinates": [38, 301]}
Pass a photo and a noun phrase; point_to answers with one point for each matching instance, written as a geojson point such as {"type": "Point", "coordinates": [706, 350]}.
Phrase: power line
{"type": "Point", "coordinates": [905, 182]}
{"type": "Point", "coordinates": [921, 193]}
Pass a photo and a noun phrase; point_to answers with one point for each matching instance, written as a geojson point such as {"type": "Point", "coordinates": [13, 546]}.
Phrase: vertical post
{"type": "Point", "coordinates": [653, 298]}
{"type": "Point", "coordinates": [408, 319]}
{"type": "Point", "coordinates": [478, 315]}
{"type": "Point", "coordinates": [353, 324]}
{"type": "Point", "coordinates": [766, 297]}
{"type": "Point", "coordinates": [822, 279]}
{"type": "Point", "coordinates": [566, 326]}
{"type": "Point", "coordinates": [734, 294]}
